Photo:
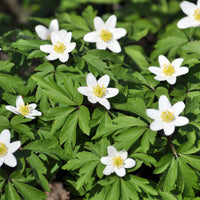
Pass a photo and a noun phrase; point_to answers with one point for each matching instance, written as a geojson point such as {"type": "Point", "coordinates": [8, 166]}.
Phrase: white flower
{"type": "Point", "coordinates": [105, 34]}
{"type": "Point", "coordinates": [7, 149]}
{"type": "Point", "coordinates": [193, 15]}
{"type": "Point", "coordinates": [45, 33]}
{"type": "Point", "coordinates": [168, 71]}
{"type": "Point", "coordinates": [97, 91]}
{"type": "Point", "coordinates": [25, 110]}
{"type": "Point", "coordinates": [167, 117]}
{"type": "Point", "coordinates": [61, 46]}
{"type": "Point", "coordinates": [117, 161]}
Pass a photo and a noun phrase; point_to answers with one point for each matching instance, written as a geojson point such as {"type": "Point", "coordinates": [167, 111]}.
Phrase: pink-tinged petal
{"type": "Point", "coordinates": [120, 172]}
{"type": "Point", "coordinates": [181, 121]}
{"type": "Point", "coordinates": [111, 151]}
{"type": "Point", "coordinates": [84, 90]}
{"type": "Point", "coordinates": [104, 102]}
{"type": "Point", "coordinates": [168, 128]}
{"type": "Point", "coordinates": [14, 146]}
{"type": "Point", "coordinates": [155, 70]}
{"type": "Point", "coordinates": [163, 103]}
{"type": "Point", "coordinates": [106, 160]}
{"type": "Point", "coordinates": [162, 60]}
{"type": "Point", "coordinates": [52, 56]}
{"type": "Point", "coordinates": [91, 81]}
{"type": "Point", "coordinates": [188, 8]}
{"type": "Point", "coordinates": [111, 22]}
{"type": "Point", "coordinates": [92, 99]}
{"type": "Point", "coordinates": [129, 163]}
{"type": "Point", "coordinates": [5, 137]}
{"type": "Point", "coordinates": [35, 113]}
{"type": "Point", "coordinates": [91, 37]}
{"type": "Point", "coordinates": [13, 109]}
{"type": "Point", "coordinates": [156, 125]}
{"type": "Point", "coordinates": [47, 48]}
{"type": "Point", "coordinates": [70, 47]}
{"type": "Point", "coordinates": [182, 70]}
{"type": "Point", "coordinates": [100, 44]}
{"type": "Point", "coordinates": [114, 46]}
{"type": "Point", "coordinates": [99, 24]}
{"type": "Point", "coordinates": [123, 154]}
{"type": "Point", "coordinates": [177, 62]}
{"type": "Point", "coordinates": [111, 92]}
{"type": "Point", "coordinates": [104, 80]}
{"type": "Point", "coordinates": [108, 170]}
{"type": "Point", "coordinates": [54, 26]}
{"type": "Point", "coordinates": [19, 101]}
{"type": "Point", "coordinates": [118, 33]}
{"type": "Point", "coordinates": [63, 57]}
{"type": "Point", "coordinates": [55, 37]}
{"type": "Point", "coordinates": [171, 80]}
{"type": "Point", "coordinates": [187, 22]}
{"type": "Point", "coordinates": [32, 106]}
{"type": "Point", "coordinates": [10, 160]}
{"type": "Point", "coordinates": [153, 114]}
{"type": "Point", "coordinates": [42, 32]}
{"type": "Point", "coordinates": [177, 108]}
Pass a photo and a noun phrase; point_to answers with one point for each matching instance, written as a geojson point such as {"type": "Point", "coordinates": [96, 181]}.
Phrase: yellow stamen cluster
{"type": "Point", "coordinates": [106, 35]}
{"type": "Point", "coordinates": [168, 69]}
{"type": "Point", "coordinates": [118, 161]}
{"type": "Point", "coordinates": [24, 109]}
{"type": "Point", "coordinates": [196, 14]}
{"type": "Point", "coordinates": [99, 91]}
{"type": "Point", "coordinates": [167, 116]}
{"type": "Point", "coordinates": [3, 149]}
{"type": "Point", "coordinates": [59, 47]}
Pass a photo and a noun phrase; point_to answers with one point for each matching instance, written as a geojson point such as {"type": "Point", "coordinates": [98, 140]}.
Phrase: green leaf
{"type": "Point", "coordinates": [11, 192]}
{"type": "Point", "coordinates": [192, 160]}
{"type": "Point", "coordinates": [167, 195]}
{"type": "Point", "coordinates": [113, 190]}
{"type": "Point", "coordinates": [83, 119]}
{"type": "Point", "coordinates": [4, 123]}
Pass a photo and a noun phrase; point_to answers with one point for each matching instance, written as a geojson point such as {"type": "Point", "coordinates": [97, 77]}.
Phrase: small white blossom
{"type": "Point", "coordinates": [7, 149]}
{"type": "Point", "coordinates": [167, 117]}
{"type": "Point", "coordinates": [117, 161]}
{"type": "Point", "coordinates": [193, 15]}
{"type": "Point", "coordinates": [25, 110]}
{"type": "Point", "coordinates": [168, 71]}
{"type": "Point", "coordinates": [97, 91]}
{"type": "Point", "coordinates": [45, 33]}
{"type": "Point", "coordinates": [61, 46]}
{"type": "Point", "coordinates": [105, 34]}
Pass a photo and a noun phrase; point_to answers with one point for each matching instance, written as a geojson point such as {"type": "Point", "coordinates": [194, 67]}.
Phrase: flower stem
{"type": "Point", "coordinates": [172, 147]}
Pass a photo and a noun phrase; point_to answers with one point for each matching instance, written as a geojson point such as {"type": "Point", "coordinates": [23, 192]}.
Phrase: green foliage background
{"type": "Point", "coordinates": [72, 135]}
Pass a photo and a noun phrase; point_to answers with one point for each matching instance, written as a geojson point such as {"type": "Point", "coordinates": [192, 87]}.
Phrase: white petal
{"type": "Point", "coordinates": [92, 99]}
{"type": "Point", "coordinates": [106, 160]}
{"type": "Point", "coordinates": [118, 33]}
{"type": "Point", "coordinates": [10, 160]}
{"type": "Point", "coordinates": [84, 90]}
{"type": "Point", "coordinates": [198, 3]}
{"type": "Point", "coordinates": [32, 106]}
{"type": "Point", "coordinates": [162, 60]}
{"type": "Point", "coordinates": [181, 121]}
{"type": "Point", "coordinates": [99, 24]}
{"type": "Point", "coordinates": [91, 80]}
{"type": "Point", "coordinates": [129, 163]}
{"type": "Point", "coordinates": [47, 48]}
{"type": "Point", "coordinates": [101, 44]}
{"type": "Point", "coordinates": [164, 103]}
{"type": "Point", "coordinates": [42, 32]}
{"type": "Point", "coordinates": [66, 36]}
{"type": "Point", "coordinates": [104, 80]}
{"type": "Point", "coordinates": [19, 101]}
{"type": "Point", "coordinates": [177, 62]}
{"type": "Point", "coordinates": [55, 37]}
{"type": "Point", "coordinates": [35, 113]}
{"type": "Point", "coordinates": [120, 172]}
{"type": "Point", "coordinates": [155, 70]}
{"type": "Point", "coordinates": [111, 151]}
{"type": "Point", "coordinates": [114, 46]}
{"type": "Point", "coordinates": [14, 146]}
{"type": "Point", "coordinates": [54, 26]}
{"type": "Point", "coordinates": [111, 22]}
{"type": "Point", "coordinates": [187, 22]}
{"type": "Point", "coordinates": [182, 70]}
{"type": "Point", "coordinates": [104, 102]}
{"type": "Point", "coordinates": [13, 109]}
{"type": "Point", "coordinates": [63, 57]}
{"type": "Point", "coordinates": [177, 108]}
{"type": "Point", "coordinates": [168, 128]}
{"type": "Point", "coordinates": [91, 37]}
{"type": "Point", "coordinates": [111, 92]}
{"type": "Point", "coordinates": [52, 56]}
{"type": "Point", "coordinates": [156, 125]}
{"type": "Point", "coordinates": [108, 170]}
{"type": "Point", "coordinates": [188, 8]}
{"type": "Point", "coordinates": [153, 113]}
{"type": "Point", "coordinates": [123, 154]}
{"type": "Point", "coordinates": [171, 80]}
{"type": "Point", "coordinates": [1, 161]}
{"type": "Point", "coordinates": [71, 46]}
{"type": "Point", "coordinates": [29, 116]}
{"type": "Point", "coordinates": [160, 78]}
{"type": "Point", "coordinates": [5, 137]}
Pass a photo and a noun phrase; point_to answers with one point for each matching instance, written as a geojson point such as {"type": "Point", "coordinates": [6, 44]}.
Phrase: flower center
{"type": "Point", "coordinates": [99, 91]}
{"type": "Point", "coordinates": [196, 14]}
{"type": "Point", "coordinates": [59, 47]}
{"type": "Point", "coordinates": [168, 69]}
{"type": "Point", "coordinates": [24, 109]}
{"type": "Point", "coordinates": [106, 35]}
{"type": "Point", "coordinates": [118, 161]}
{"type": "Point", "coordinates": [3, 149]}
{"type": "Point", "coordinates": [167, 116]}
